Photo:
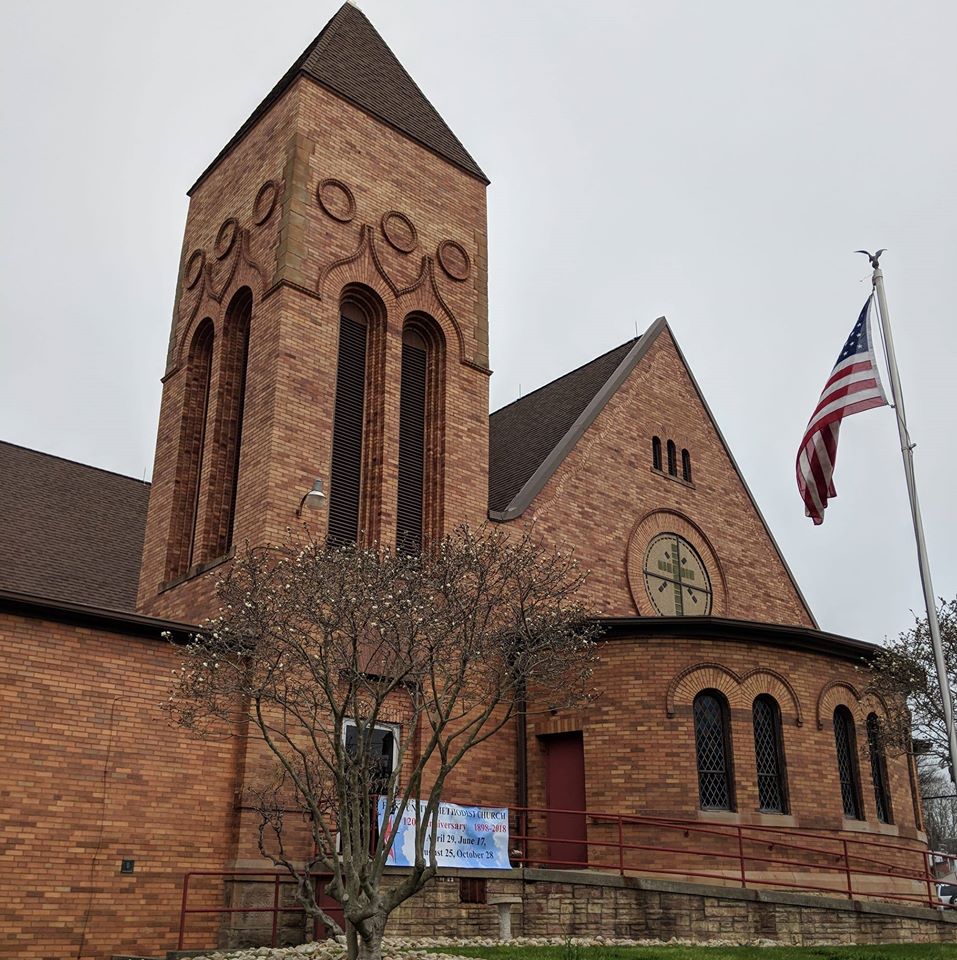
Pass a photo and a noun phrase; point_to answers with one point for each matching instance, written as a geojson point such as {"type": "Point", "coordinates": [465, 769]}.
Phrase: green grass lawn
{"type": "Point", "coordinates": [910, 951]}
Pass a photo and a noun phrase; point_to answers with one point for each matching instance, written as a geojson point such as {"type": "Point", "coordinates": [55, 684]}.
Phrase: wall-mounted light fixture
{"type": "Point", "coordinates": [315, 497]}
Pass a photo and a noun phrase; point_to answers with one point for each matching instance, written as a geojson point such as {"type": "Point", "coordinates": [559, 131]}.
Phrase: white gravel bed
{"type": "Point", "coordinates": [443, 948]}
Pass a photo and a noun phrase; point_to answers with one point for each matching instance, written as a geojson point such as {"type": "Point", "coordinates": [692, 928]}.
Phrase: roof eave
{"type": "Point", "coordinates": [121, 621]}
{"type": "Point", "coordinates": [792, 636]}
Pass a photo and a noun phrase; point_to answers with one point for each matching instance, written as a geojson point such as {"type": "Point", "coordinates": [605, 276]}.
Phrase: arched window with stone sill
{"type": "Point", "coordinates": [879, 779]}
{"type": "Point", "coordinates": [845, 742]}
{"type": "Point", "coordinates": [769, 755]}
{"type": "Point", "coordinates": [712, 728]}
{"type": "Point", "coordinates": [686, 466]}
{"type": "Point", "coordinates": [672, 459]}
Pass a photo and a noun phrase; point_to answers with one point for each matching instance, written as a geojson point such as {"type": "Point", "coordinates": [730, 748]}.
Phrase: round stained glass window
{"type": "Point", "coordinates": [676, 578]}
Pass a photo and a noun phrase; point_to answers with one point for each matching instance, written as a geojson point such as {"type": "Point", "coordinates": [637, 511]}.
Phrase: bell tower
{"type": "Point", "coordinates": [330, 325]}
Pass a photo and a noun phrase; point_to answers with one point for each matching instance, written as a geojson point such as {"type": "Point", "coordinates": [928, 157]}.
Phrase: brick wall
{"type": "Point", "coordinates": [94, 775]}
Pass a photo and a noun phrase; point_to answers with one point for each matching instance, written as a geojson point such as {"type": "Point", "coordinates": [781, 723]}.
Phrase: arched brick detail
{"type": "Point", "coordinates": [362, 266]}
{"type": "Point", "coordinates": [243, 272]}
{"type": "Point", "coordinates": [671, 521]}
{"type": "Point", "coordinates": [832, 695]}
{"type": "Point", "coordinates": [687, 684]}
{"type": "Point", "coordinates": [873, 702]}
{"type": "Point", "coordinates": [763, 680]}
{"type": "Point", "coordinates": [423, 296]}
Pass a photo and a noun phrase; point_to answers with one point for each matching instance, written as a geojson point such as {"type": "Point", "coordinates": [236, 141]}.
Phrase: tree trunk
{"type": "Point", "coordinates": [370, 938]}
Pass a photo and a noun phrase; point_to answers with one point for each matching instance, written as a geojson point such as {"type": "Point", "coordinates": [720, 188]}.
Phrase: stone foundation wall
{"type": "Point", "coordinates": [577, 904]}
{"type": "Point", "coordinates": [583, 905]}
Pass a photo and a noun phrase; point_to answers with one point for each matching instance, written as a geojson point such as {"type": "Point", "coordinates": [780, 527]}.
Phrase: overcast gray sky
{"type": "Point", "coordinates": [713, 162]}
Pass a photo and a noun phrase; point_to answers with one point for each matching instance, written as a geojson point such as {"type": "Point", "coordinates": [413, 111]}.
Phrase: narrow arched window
{"type": "Point", "coordinates": [769, 755]}
{"type": "Point", "coordinates": [412, 406]}
{"type": "Point", "coordinates": [713, 749]}
{"type": "Point", "coordinates": [686, 466]}
{"type": "Point", "coordinates": [656, 452]}
{"type": "Point", "coordinates": [845, 740]}
{"type": "Point", "coordinates": [348, 424]}
{"type": "Point", "coordinates": [189, 462]}
{"type": "Point", "coordinates": [224, 482]}
{"type": "Point", "coordinates": [672, 459]}
{"type": "Point", "coordinates": [355, 473]}
{"type": "Point", "coordinates": [875, 747]}
{"type": "Point", "coordinates": [419, 487]}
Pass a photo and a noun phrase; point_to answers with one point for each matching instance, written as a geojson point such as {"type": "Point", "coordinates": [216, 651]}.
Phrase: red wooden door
{"type": "Point", "coordinates": [565, 791]}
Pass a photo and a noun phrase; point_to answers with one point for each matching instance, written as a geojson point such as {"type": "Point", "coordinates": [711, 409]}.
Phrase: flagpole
{"type": "Point", "coordinates": [907, 450]}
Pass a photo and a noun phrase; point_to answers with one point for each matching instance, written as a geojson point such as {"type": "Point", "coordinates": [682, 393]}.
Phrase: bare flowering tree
{"type": "Point", "coordinates": [372, 673]}
{"type": "Point", "coordinates": [904, 673]}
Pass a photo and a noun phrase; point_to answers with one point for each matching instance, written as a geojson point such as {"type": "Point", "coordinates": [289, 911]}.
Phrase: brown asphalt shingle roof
{"type": "Point", "coordinates": [68, 531]}
{"type": "Point", "coordinates": [350, 58]}
{"type": "Point", "coordinates": [525, 432]}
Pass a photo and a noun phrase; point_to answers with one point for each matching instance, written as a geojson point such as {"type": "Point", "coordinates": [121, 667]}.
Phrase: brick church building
{"type": "Point", "coordinates": [331, 323]}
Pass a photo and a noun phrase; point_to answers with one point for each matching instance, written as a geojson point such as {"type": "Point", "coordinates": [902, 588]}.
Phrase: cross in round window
{"type": "Point", "coordinates": [676, 578]}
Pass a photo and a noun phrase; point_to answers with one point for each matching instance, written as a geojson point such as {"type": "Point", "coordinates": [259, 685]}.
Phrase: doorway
{"type": "Point", "coordinates": [565, 791]}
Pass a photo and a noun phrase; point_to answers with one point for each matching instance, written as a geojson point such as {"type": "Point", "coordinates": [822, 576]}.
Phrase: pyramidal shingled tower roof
{"type": "Point", "coordinates": [351, 59]}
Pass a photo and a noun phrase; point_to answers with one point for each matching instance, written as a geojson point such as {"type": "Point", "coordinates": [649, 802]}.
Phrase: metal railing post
{"type": "Point", "coordinates": [928, 875]}
{"type": "Point", "coordinates": [744, 871]}
{"type": "Point", "coordinates": [847, 871]}
{"type": "Point", "coordinates": [275, 910]}
{"type": "Point", "coordinates": [621, 848]}
{"type": "Point", "coordinates": [182, 913]}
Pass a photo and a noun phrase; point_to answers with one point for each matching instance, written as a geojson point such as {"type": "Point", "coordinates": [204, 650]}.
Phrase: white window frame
{"type": "Point", "coordinates": [394, 728]}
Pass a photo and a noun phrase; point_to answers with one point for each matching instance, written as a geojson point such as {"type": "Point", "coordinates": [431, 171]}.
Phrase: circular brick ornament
{"type": "Point", "coordinates": [400, 231]}
{"type": "Point", "coordinates": [194, 268]}
{"type": "Point", "coordinates": [265, 202]}
{"type": "Point", "coordinates": [336, 200]}
{"type": "Point", "coordinates": [646, 533]}
{"type": "Point", "coordinates": [226, 238]}
{"type": "Point", "coordinates": [454, 260]}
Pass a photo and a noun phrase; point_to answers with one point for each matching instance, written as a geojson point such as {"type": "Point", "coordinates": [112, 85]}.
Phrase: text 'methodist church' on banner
{"type": "Point", "coordinates": [332, 301]}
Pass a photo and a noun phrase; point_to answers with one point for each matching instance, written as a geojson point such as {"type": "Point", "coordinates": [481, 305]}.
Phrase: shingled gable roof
{"type": "Point", "coordinates": [350, 58]}
{"type": "Point", "coordinates": [68, 531]}
{"type": "Point", "coordinates": [530, 437]}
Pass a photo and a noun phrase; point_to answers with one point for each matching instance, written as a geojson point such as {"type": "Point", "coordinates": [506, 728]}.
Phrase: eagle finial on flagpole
{"type": "Point", "coordinates": [873, 257]}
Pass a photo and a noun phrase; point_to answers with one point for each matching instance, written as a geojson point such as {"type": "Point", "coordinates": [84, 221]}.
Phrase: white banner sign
{"type": "Point", "coordinates": [466, 837]}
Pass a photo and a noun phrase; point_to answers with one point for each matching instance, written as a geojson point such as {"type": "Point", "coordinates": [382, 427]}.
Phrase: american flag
{"type": "Point", "coordinates": [854, 385]}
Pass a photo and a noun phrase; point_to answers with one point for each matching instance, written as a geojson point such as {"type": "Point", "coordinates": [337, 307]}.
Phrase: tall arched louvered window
{"type": "Point", "coordinates": [419, 493]}
{"type": "Point", "coordinates": [845, 741]}
{"type": "Point", "coordinates": [686, 466]}
{"type": "Point", "coordinates": [875, 747]}
{"type": "Point", "coordinates": [656, 452]}
{"type": "Point", "coordinates": [224, 482]}
{"type": "Point", "coordinates": [672, 459]}
{"type": "Point", "coordinates": [355, 471]}
{"type": "Point", "coordinates": [189, 464]}
{"type": "Point", "coordinates": [713, 749]}
{"type": "Point", "coordinates": [769, 755]}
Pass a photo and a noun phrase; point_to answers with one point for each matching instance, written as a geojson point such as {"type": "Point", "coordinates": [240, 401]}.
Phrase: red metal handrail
{"type": "Point", "coordinates": [847, 857]}
{"type": "Point", "coordinates": [872, 860]}
{"type": "Point", "coordinates": [278, 877]}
